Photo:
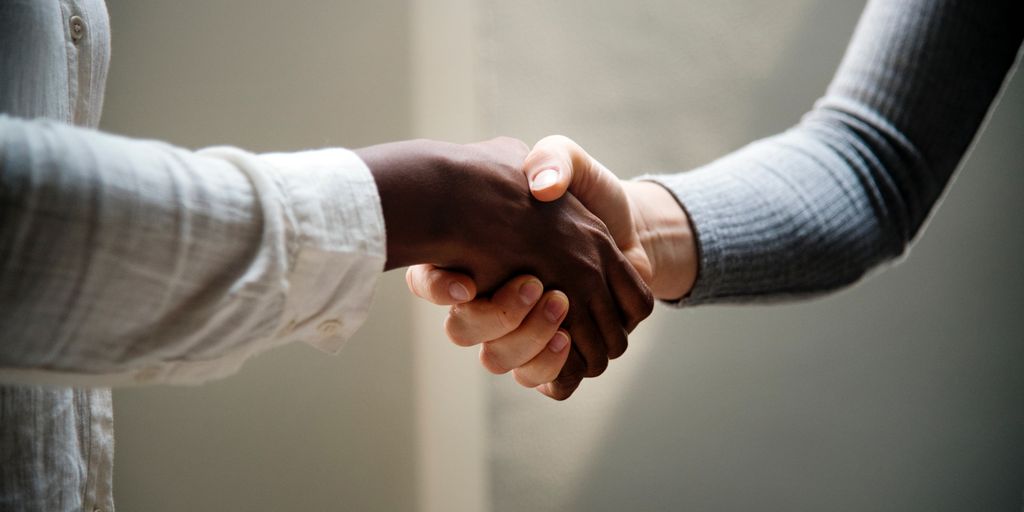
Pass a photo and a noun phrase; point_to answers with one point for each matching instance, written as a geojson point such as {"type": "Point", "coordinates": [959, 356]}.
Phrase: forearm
{"type": "Point", "coordinates": [130, 260]}
{"type": "Point", "coordinates": [814, 208]}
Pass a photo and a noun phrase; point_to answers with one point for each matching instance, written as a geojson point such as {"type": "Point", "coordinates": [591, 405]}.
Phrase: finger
{"type": "Point", "coordinates": [529, 339]}
{"type": "Point", "coordinates": [442, 287]}
{"type": "Point", "coordinates": [633, 297]}
{"type": "Point", "coordinates": [561, 388]}
{"type": "Point", "coordinates": [588, 340]}
{"type": "Point", "coordinates": [557, 164]}
{"type": "Point", "coordinates": [549, 167]}
{"type": "Point", "coordinates": [575, 365]}
{"type": "Point", "coordinates": [609, 320]}
{"type": "Point", "coordinates": [491, 318]}
{"type": "Point", "coordinates": [544, 367]}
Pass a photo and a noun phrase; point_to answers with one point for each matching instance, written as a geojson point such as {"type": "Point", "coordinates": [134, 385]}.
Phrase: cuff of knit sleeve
{"type": "Point", "coordinates": [707, 198]}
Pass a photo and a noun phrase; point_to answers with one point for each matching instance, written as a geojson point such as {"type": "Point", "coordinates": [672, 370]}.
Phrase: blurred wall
{"type": "Point", "coordinates": [295, 429]}
{"type": "Point", "coordinates": [903, 393]}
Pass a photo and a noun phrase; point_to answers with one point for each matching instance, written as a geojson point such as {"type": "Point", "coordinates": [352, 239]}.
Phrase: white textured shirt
{"type": "Point", "coordinates": [127, 261]}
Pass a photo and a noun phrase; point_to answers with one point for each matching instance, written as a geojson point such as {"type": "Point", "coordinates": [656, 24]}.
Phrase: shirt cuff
{"type": "Point", "coordinates": [339, 249]}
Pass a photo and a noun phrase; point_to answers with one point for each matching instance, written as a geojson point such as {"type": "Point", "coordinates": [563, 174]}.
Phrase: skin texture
{"type": "Point", "coordinates": [648, 224]}
{"type": "Point", "coordinates": [468, 209]}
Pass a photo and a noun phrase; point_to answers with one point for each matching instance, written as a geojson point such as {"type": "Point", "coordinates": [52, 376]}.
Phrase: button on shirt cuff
{"type": "Point", "coordinates": [339, 249]}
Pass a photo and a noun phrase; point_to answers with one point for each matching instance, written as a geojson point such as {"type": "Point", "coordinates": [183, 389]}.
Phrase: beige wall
{"type": "Point", "coordinates": [903, 393]}
{"type": "Point", "coordinates": [294, 430]}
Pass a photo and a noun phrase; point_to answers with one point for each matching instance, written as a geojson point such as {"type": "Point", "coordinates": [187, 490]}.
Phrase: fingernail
{"type": "Point", "coordinates": [530, 291]}
{"type": "Point", "coordinates": [558, 342]}
{"type": "Point", "coordinates": [545, 179]}
{"type": "Point", "coordinates": [458, 292]}
{"type": "Point", "coordinates": [554, 308]}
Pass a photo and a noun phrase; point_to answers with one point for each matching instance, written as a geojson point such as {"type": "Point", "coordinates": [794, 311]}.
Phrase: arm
{"type": "Point", "coordinates": [814, 208]}
{"type": "Point", "coordinates": [132, 261]}
{"type": "Point", "coordinates": [128, 261]}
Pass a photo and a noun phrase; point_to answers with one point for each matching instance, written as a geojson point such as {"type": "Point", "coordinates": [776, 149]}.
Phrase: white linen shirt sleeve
{"type": "Point", "coordinates": [126, 261]}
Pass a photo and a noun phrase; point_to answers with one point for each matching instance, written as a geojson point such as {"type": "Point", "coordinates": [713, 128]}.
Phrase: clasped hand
{"type": "Point", "coordinates": [487, 229]}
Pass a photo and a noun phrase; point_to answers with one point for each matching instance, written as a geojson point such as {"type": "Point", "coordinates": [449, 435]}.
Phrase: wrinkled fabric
{"type": "Point", "coordinates": [56, 445]}
{"type": "Point", "coordinates": [126, 261]}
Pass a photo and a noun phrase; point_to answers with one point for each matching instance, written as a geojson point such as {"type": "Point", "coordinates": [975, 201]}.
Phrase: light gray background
{"type": "Point", "coordinates": [904, 393]}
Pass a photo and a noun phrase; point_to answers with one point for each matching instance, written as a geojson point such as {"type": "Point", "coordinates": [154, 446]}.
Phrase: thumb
{"type": "Point", "coordinates": [550, 167]}
{"type": "Point", "coordinates": [557, 164]}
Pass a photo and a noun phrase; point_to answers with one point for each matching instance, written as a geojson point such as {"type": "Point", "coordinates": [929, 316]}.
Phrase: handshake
{"type": "Point", "coordinates": [549, 284]}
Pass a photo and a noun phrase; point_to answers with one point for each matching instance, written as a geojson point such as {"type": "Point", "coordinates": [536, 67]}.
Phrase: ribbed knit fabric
{"type": "Point", "coordinates": [814, 208]}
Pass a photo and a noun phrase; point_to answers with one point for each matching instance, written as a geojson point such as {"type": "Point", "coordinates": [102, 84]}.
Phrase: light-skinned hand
{"type": "Point", "coordinates": [647, 224]}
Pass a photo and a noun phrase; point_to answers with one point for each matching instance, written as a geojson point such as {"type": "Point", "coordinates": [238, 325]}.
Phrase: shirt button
{"type": "Point", "coordinates": [77, 25]}
{"type": "Point", "coordinates": [329, 328]}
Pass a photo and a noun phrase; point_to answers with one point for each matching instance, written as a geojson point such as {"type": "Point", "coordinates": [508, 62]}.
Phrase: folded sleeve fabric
{"type": "Point", "coordinates": [128, 261]}
{"type": "Point", "coordinates": [814, 208]}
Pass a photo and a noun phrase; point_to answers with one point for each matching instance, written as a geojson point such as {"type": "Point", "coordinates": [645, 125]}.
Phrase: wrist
{"type": "Point", "coordinates": [410, 178]}
{"type": "Point", "coordinates": [667, 237]}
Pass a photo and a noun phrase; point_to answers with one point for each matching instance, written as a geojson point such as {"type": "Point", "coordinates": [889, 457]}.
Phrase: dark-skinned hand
{"type": "Point", "coordinates": [468, 208]}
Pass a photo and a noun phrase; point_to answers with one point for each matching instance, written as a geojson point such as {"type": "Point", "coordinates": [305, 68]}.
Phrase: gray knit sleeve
{"type": "Point", "coordinates": [814, 208]}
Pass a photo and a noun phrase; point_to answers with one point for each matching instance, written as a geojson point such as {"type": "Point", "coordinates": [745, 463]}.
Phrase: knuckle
{"type": "Point", "coordinates": [536, 337]}
{"type": "Point", "coordinates": [646, 307]}
{"type": "Point", "coordinates": [549, 376]}
{"type": "Point", "coordinates": [525, 380]}
{"type": "Point", "coordinates": [638, 300]}
{"type": "Point", "coordinates": [573, 367]}
{"type": "Point", "coordinates": [559, 394]}
{"type": "Point", "coordinates": [619, 347]}
{"type": "Point", "coordinates": [596, 368]}
{"type": "Point", "coordinates": [488, 359]}
{"type": "Point", "coordinates": [563, 388]}
{"type": "Point", "coordinates": [648, 302]}
{"type": "Point", "coordinates": [569, 379]}
{"type": "Point", "coordinates": [435, 283]}
{"type": "Point", "coordinates": [506, 319]}
{"type": "Point", "coordinates": [535, 334]}
{"type": "Point", "coordinates": [455, 332]}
